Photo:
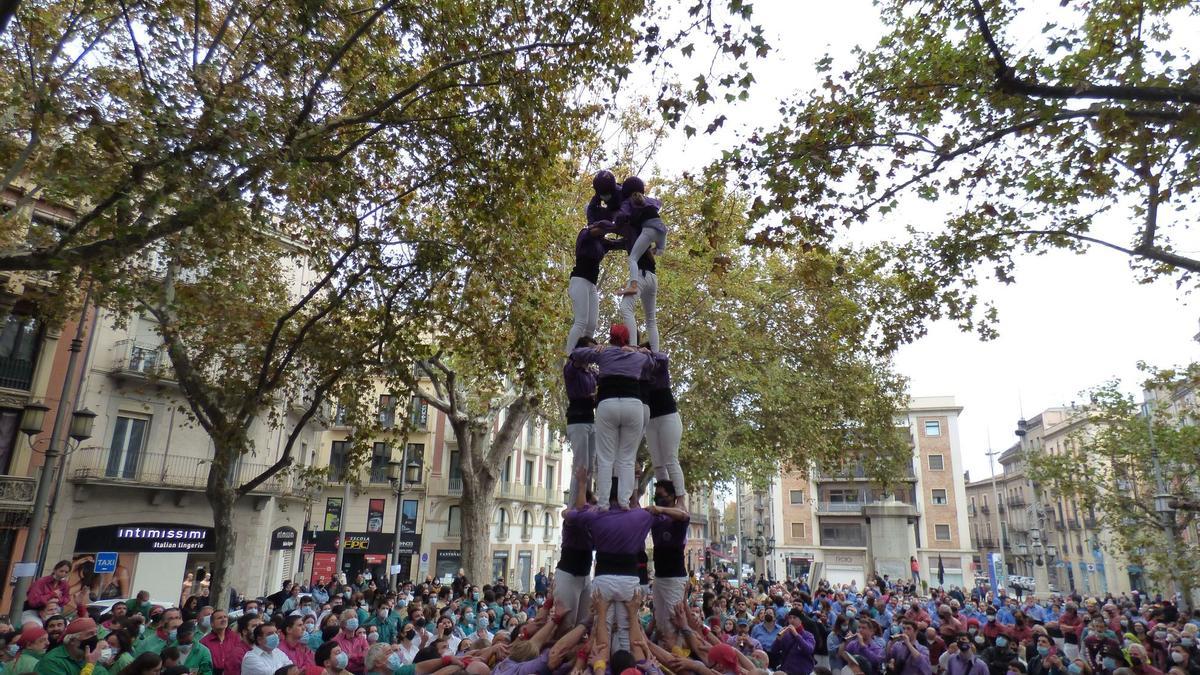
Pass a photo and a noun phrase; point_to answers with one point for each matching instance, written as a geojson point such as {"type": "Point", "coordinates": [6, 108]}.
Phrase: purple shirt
{"type": "Point", "coordinates": [906, 662]}
{"type": "Point", "coordinates": [795, 652]}
{"type": "Point", "coordinates": [598, 210]}
{"type": "Point", "coordinates": [580, 381]}
{"type": "Point", "coordinates": [575, 534]}
{"type": "Point", "coordinates": [872, 651]}
{"type": "Point", "coordinates": [593, 246]}
{"type": "Point", "coordinates": [615, 361]}
{"type": "Point", "coordinates": [629, 215]}
{"type": "Point", "coordinates": [668, 532]}
{"type": "Point", "coordinates": [614, 530]}
{"type": "Point", "coordinates": [510, 667]}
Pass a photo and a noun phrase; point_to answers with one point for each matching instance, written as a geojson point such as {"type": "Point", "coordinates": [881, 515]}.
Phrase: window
{"type": "Point", "coordinates": [18, 350]}
{"type": "Point", "coordinates": [502, 523]}
{"type": "Point", "coordinates": [844, 496]}
{"type": "Point", "coordinates": [128, 444]}
{"type": "Point", "coordinates": [941, 532]}
{"type": "Point", "coordinates": [381, 454]}
{"type": "Point", "coordinates": [456, 466]}
{"type": "Point", "coordinates": [550, 479]}
{"type": "Point", "coordinates": [387, 411]}
{"type": "Point", "coordinates": [796, 497]}
{"type": "Point", "coordinates": [939, 497]}
{"type": "Point", "coordinates": [849, 534]}
{"type": "Point", "coordinates": [338, 451]}
{"type": "Point", "coordinates": [414, 452]}
{"type": "Point", "coordinates": [797, 530]}
{"type": "Point", "coordinates": [933, 428]}
{"type": "Point", "coordinates": [339, 416]}
{"type": "Point", "coordinates": [529, 472]}
{"type": "Point", "coordinates": [454, 522]}
{"type": "Point", "coordinates": [506, 474]}
{"type": "Point", "coordinates": [530, 432]}
{"type": "Point", "coordinates": [937, 463]}
{"type": "Point", "coordinates": [526, 524]}
{"type": "Point", "coordinates": [419, 415]}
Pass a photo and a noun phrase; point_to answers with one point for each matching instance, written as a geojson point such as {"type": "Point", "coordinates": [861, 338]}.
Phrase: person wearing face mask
{"type": "Point", "coordinates": [408, 647]}
{"type": "Point", "coordinates": [1181, 658]}
{"type": "Point", "coordinates": [669, 532]}
{"type": "Point", "coordinates": [164, 636]}
{"type": "Point", "coordinates": [992, 628]}
{"type": "Point", "coordinates": [294, 644]}
{"type": "Point", "coordinates": [1000, 654]}
{"type": "Point", "coordinates": [265, 657]}
{"type": "Point", "coordinates": [767, 631]}
{"type": "Point", "coordinates": [332, 659]}
{"type": "Point", "coordinates": [79, 654]}
{"type": "Point", "coordinates": [385, 621]}
{"type": "Point", "coordinates": [204, 622]}
{"type": "Point", "coordinates": [195, 656]}
{"type": "Point", "coordinates": [122, 651]}
{"type": "Point", "coordinates": [32, 643]}
{"type": "Point", "coordinates": [353, 646]}
{"type": "Point", "coordinates": [1139, 661]}
{"type": "Point", "coordinates": [1112, 658]}
{"type": "Point", "coordinates": [1043, 659]}
{"type": "Point", "coordinates": [961, 660]}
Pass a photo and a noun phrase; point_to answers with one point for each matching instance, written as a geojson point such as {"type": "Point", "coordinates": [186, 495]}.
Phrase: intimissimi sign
{"type": "Point", "coordinates": [145, 538]}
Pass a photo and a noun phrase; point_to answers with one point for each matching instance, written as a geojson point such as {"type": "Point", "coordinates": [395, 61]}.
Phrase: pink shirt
{"type": "Point", "coordinates": [355, 648]}
{"type": "Point", "coordinates": [300, 654]}
{"type": "Point", "coordinates": [226, 654]}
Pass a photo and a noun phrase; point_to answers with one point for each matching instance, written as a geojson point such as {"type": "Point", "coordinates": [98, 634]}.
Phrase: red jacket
{"type": "Point", "coordinates": [226, 654]}
{"type": "Point", "coordinates": [49, 588]}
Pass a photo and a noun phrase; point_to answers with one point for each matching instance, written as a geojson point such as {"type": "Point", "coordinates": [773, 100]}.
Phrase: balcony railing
{"type": "Point", "coordinates": [156, 469]}
{"type": "Point", "coordinates": [985, 509]}
{"type": "Point", "coordinates": [844, 540]}
{"type": "Point", "coordinates": [142, 359]}
{"type": "Point", "coordinates": [985, 542]}
{"type": "Point", "coordinates": [1074, 524]}
{"type": "Point", "coordinates": [857, 472]}
{"type": "Point", "coordinates": [839, 507]}
{"type": "Point", "coordinates": [1016, 501]}
{"type": "Point", "coordinates": [970, 509]}
{"type": "Point", "coordinates": [441, 486]}
{"type": "Point", "coordinates": [1091, 522]}
{"type": "Point", "coordinates": [16, 497]}
{"type": "Point", "coordinates": [16, 373]}
{"type": "Point", "coordinates": [526, 532]}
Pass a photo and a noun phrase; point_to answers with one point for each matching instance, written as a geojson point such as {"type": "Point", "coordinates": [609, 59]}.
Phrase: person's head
{"type": "Point", "coordinates": [120, 641]}
{"type": "Point", "coordinates": [170, 657]}
{"type": "Point", "coordinates": [743, 627]}
{"type": "Point", "coordinates": [251, 606]}
{"type": "Point", "coordinates": [349, 620]}
{"type": "Point", "coordinates": [618, 335]}
{"type": "Point", "coordinates": [909, 628]}
{"type": "Point", "coordinates": [33, 638]}
{"type": "Point", "coordinates": [1016, 667]}
{"type": "Point", "coordinates": [287, 670]}
{"type": "Point", "coordinates": [769, 617]}
{"type": "Point", "coordinates": [331, 657]}
{"type": "Point", "coordinates": [605, 184]}
{"type": "Point", "coordinates": [186, 632]}
{"type": "Point", "coordinates": [866, 629]}
{"type": "Point", "coordinates": [621, 660]}
{"type": "Point", "coordinates": [50, 608]}
{"type": "Point", "coordinates": [171, 618]}
{"type": "Point", "coordinates": [1180, 655]}
{"type": "Point", "coordinates": [632, 186]}
{"type": "Point", "coordinates": [56, 626]}
{"type": "Point", "coordinates": [293, 627]}
{"type": "Point", "coordinates": [80, 636]}
{"type": "Point", "coordinates": [246, 625]}
{"type": "Point", "coordinates": [728, 626]}
{"type": "Point", "coordinates": [148, 663]}
{"type": "Point", "coordinates": [62, 569]}
{"type": "Point", "coordinates": [266, 636]}
{"type": "Point", "coordinates": [795, 618]}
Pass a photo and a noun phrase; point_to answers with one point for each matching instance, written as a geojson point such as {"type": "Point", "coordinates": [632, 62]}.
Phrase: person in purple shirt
{"type": "Point", "coordinates": [906, 655]}
{"type": "Point", "coordinates": [619, 416]}
{"type": "Point", "coordinates": [865, 645]}
{"type": "Point", "coordinates": [669, 532]}
{"type": "Point", "coordinates": [580, 384]}
{"type": "Point", "coordinates": [606, 200]}
{"type": "Point", "coordinates": [572, 577]}
{"type": "Point", "coordinates": [639, 216]}
{"type": "Point", "coordinates": [965, 662]}
{"type": "Point", "coordinates": [664, 429]}
{"type": "Point", "coordinates": [590, 248]}
{"type": "Point", "coordinates": [794, 647]}
{"type": "Point", "coordinates": [617, 536]}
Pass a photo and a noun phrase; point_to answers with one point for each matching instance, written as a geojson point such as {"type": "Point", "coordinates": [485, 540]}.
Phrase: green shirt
{"type": "Point", "coordinates": [388, 628]}
{"type": "Point", "coordinates": [199, 659]}
{"type": "Point", "coordinates": [58, 662]}
{"type": "Point", "coordinates": [25, 663]}
{"type": "Point", "coordinates": [153, 643]}
{"type": "Point", "coordinates": [123, 660]}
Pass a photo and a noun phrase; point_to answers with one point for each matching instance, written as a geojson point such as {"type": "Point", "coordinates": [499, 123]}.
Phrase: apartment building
{"type": "Point", "coordinates": [1050, 539]}
{"type": "Point", "coordinates": [843, 528]}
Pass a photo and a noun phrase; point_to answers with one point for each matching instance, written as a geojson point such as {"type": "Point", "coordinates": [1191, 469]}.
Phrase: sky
{"type": "Point", "coordinates": [1070, 322]}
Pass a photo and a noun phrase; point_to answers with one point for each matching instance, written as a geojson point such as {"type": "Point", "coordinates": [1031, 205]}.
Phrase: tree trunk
{"type": "Point", "coordinates": [478, 500]}
{"type": "Point", "coordinates": [222, 498]}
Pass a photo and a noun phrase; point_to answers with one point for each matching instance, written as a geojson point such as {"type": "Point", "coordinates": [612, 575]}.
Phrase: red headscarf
{"type": "Point", "coordinates": [618, 335]}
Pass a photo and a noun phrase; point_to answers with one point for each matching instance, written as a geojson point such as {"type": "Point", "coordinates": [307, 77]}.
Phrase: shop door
{"type": "Point", "coordinates": [525, 571]}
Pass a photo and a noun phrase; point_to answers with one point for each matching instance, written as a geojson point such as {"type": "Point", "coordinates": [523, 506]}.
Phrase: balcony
{"type": "Point", "coordinates": [162, 470]}
{"type": "Point", "coordinates": [853, 508]}
{"type": "Point", "coordinates": [16, 500]}
{"type": "Point", "coordinates": [1016, 500]}
{"type": "Point", "coordinates": [441, 486]}
{"type": "Point", "coordinates": [970, 509]}
{"type": "Point", "coordinates": [1091, 522]}
{"type": "Point", "coordinates": [141, 360]}
{"type": "Point", "coordinates": [985, 509]}
{"type": "Point", "coordinates": [16, 373]}
{"type": "Point", "coordinates": [526, 532]}
{"type": "Point", "coordinates": [857, 473]}
{"type": "Point", "coordinates": [985, 542]}
{"type": "Point", "coordinates": [1074, 524]}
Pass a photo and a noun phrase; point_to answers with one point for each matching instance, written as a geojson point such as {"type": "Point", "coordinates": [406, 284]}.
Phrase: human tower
{"type": "Point", "coordinates": [618, 393]}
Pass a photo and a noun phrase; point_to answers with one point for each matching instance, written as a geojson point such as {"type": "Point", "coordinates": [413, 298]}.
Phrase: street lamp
{"type": "Point", "coordinates": [399, 475]}
{"type": "Point", "coordinates": [33, 419]}
{"type": "Point", "coordinates": [82, 422]}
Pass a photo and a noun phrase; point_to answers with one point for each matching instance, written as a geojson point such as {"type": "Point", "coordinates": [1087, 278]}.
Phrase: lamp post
{"type": "Point", "coordinates": [400, 474]}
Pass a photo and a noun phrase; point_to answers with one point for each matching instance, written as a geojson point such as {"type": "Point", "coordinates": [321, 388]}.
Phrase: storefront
{"type": "Point", "coordinates": [447, 562]}
{"type": "Point", "coordinates": [149, 556]}
{"type": "Point", "coordinates": [797, 564]}
{"type": "Point", "coordinates": [361, 551]}
{"type": "Point", "coordinates": [281, 559]}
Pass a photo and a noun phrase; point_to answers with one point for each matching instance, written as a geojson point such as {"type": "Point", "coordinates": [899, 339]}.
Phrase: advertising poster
{"type": "Point", "coordinates": [375, 515]}
{"type": "Point", "coordinates": [333, 514]}
{"type": "Point", "coordinates": [408, 520]}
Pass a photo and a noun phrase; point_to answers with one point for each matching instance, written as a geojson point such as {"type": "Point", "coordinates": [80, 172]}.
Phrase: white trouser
{"type": "Point", "coordinates": [574, 595]}
{"type": "Point", "coordinates": [617, 590]}
{"type": "Point", "coordinates": [667, 592]}
{"type": "Point", "coordinates": [653, 235]}
{"type": "Point", "coordinates": [585, 305]}
{"type": "Point", "coordinates": [663, 434]}
{"type": "Point", "coordinates": [618, 432]}
{"type": "Point", "coordinates": [648, 293]}
{"type": "Point", "coordinates": [582, 438]}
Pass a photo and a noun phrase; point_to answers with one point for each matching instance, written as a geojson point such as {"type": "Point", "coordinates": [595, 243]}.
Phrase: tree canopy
{"type": "Point", "coordinates": [1008, 127]}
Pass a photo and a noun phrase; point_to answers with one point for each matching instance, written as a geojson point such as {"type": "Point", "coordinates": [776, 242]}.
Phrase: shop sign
{"type": "Point", "coordinates": [378, 543]}
{"type": "Point", "coordinates": [283, 539]}
{"type": "Point", "coordinates": [146, 538]}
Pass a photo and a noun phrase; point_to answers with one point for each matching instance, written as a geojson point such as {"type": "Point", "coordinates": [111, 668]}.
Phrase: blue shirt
{"type": "Point", "coordinates": [764, 636]}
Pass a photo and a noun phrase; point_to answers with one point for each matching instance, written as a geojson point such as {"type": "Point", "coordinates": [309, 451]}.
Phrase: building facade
{"type": "Point", "coordinates": [843, 528]}
{"type": "Point", "coordinates": [1047, 538]}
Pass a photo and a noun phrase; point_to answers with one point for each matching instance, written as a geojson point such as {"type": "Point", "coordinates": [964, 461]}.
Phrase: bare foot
{"type": "Point", "coordinates": [631, 289]}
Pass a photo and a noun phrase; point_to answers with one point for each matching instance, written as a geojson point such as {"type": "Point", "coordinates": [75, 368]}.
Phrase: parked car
{"type": "Point", "coordinates": [105, 606]}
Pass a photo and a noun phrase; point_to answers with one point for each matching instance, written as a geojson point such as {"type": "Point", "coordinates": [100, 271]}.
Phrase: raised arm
{"type": "Point", "coordinates": [565, 646]}
{"type": "Point", "coordinates": [672, 512]}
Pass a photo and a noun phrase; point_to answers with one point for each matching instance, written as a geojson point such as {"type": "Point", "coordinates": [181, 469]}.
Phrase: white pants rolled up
{"type": "Point", "coordinates": [667, 592]}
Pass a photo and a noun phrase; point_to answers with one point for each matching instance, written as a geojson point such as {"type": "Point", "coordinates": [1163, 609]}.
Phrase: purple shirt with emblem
{"type": "Point", "coordinates": [580, 381]}
{"type": "Point", "coordinates": [666, 531]}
